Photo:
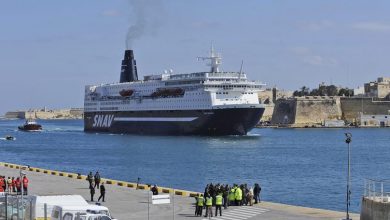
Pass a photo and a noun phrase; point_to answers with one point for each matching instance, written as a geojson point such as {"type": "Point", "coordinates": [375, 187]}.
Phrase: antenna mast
{"type": "Point", "coordinates": [215, 60]}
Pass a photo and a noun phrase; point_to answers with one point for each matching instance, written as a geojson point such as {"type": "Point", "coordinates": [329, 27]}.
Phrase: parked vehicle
{"type": "Point", "coordinates": [89, 212]}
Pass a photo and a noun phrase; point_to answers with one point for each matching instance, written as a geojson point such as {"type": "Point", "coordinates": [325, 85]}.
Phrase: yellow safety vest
{"type": "Point", "coordinates": [238, 194]}
{"type": "Point", "coordinates": [200, 201]}
{"type": "Point", "coordinates": [218, 200]}
{"type": "Point", "coordinates": [209, 201]}
{"type": "Point", "coordinates": [231, 195]}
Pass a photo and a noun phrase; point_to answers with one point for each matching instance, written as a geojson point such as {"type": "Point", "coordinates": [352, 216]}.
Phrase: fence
{"type": "Point", "coordinates": [378, 190]}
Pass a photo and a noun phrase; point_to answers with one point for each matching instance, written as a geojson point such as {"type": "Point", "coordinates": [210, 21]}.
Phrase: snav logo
{"type": "Point", "coordinates": [102, 120]}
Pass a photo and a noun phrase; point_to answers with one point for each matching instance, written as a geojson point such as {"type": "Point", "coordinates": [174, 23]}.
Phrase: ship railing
{"type": "Point", "coordinates": [377, 190]}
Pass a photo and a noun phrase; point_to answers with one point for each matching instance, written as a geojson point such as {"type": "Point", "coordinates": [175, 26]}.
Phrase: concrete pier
{"type": "Point", "coordinates": [126, 203]}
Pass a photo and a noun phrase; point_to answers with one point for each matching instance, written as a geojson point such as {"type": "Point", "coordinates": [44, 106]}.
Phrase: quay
{"type": "Point", "coordinates": [128, 203]}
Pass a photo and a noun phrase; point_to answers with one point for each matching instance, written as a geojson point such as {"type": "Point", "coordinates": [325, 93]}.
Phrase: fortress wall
{"type": "Point", "coordinates": [316, 109]}
{"type": "Point", "coordinates": [284, 111]}
{"type": "Point", "coordinates": [268, 112]}
{"type": "Point", "coordinates": [352, 107]}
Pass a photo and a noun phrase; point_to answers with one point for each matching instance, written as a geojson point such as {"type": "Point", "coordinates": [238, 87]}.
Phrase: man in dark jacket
{"type": "Point", "coordinates": [102, 192]}
{"type": "Point", "coordinates": [90, 179]}
{"type": "Point", "coordinates": [92, 191]}
{"type": "Point", "coordinates": [97, 179]}
{"type": "Point", "coordinates": [256, 192]}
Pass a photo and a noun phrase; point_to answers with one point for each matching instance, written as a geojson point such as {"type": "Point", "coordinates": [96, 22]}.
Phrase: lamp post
{"type": "Point", "coordinates": [348, 141]}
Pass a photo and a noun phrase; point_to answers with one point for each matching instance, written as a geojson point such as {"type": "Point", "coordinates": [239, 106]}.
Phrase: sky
{"type": "Point", "coordinates": [49, 50]}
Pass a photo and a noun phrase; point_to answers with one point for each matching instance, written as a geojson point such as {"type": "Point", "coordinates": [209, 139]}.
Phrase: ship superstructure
{"type": "Point", "coordinates": [205, 103]}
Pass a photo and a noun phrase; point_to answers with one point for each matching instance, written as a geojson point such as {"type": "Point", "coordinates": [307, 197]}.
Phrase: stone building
{"type": "Point", "coordinates": [379, 88]}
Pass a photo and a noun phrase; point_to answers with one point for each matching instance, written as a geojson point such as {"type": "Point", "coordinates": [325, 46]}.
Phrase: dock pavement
{"type": "Point", "coordinates": [130, 204]}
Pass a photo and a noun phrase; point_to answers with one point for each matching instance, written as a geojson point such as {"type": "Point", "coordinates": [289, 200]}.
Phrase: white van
{"type": "Point", "coordinates": [90, 212]}
{"type": "Point", "coordinates": [37, 210]}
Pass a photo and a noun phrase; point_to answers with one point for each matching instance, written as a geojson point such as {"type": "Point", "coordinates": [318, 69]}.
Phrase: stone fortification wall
{"type": "Point", "coordinates": [284, 111]}
{"type": "Point", "coordinates": [374, 210]}
{"type": "Point", "coordinates": [268, 112]}
{"type": "Point", "coordinates": [316, 109]}
{"type": "Point", "coordinates": [309, 110]}
{"type": "Point", "coordinates": [351, 107]}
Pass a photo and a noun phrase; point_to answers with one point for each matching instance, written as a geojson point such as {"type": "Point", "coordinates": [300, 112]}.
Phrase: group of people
{"type": "Point", "coordinates": [224, 195]}
{"type": "Point", "coordinates": [14, 185]}
{"type": "Point", "coordinates": [95, 182]}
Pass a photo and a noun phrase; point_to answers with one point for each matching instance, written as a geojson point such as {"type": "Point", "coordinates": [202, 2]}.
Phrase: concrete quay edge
{"type": "Point", "coordinates": [179, 192]}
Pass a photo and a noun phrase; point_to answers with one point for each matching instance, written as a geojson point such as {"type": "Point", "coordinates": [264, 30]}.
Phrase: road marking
{"type": "Point", "coordinates": [239, 213]}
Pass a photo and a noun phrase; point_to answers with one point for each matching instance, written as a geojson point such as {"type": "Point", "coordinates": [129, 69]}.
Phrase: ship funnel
{"type": "Point", "coordinates": [129, 68]}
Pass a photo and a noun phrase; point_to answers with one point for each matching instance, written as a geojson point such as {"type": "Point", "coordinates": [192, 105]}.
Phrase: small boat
{"type": "Point", "coordinates": [30, 125]}
{"type": "Point", "coordinates": [9, 138]}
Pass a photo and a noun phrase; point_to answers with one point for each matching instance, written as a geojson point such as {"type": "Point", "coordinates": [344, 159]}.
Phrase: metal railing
{"type": "Point", "coordinates": [377, 190]}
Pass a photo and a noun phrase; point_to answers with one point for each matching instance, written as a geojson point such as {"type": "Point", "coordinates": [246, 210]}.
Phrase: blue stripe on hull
{"type": "Point", "coordinates": [233, 121]}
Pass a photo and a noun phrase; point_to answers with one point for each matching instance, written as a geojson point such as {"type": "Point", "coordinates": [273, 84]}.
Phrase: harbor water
{"type": "Point", "coordinates": [306, 167]}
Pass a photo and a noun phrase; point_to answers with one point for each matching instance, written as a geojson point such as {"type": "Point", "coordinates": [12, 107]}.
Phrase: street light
{"type": "Point", "coordinates": [348, 141]}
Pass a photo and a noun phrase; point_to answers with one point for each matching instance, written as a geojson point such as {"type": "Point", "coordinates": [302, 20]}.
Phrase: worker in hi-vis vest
{"type": "Point", "coordinates": [232, 196]}
{"type": "Point", "coordinates": [199, 205]}
{"type": "Point", "coordinates": [238, 196]}
{"type": "Point", "coordinates": [209, 206]}
{"type": "Point", "coordinates": [218, 204]}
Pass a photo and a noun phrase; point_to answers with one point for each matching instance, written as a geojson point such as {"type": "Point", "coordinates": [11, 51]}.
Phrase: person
{"type": "Point", "coordinates": [218, 204]}
{"type": "Point", "coordinates": [209, 206]}
{"type": "Point", "coordinates": [154, 190]}
{"type": "Point", "coordinates": [13, 184]}
{"type": "Point", "coordinates": [238, 196]}
{"type": "Point", "coordinates": [102, 192]}
{"type": "Point", "coordinates": [1, 184]}
{"type": "Point", "coordinates": [18, 185]}
{"type": "Point", "coordinates": [90, 179]}
{"type": "Point", "coordinates": [97, 179]}
{"type": "Point", "coordinates": [250, 196]}
{"type": "Point", "coordinates": [256, 192]}
{"type": "Point", "coordinates": [25, 185]}
{"type": "Point", "coordinates": [9, 183]}
{"type": "Point", "coordinates": [232, 196]}
{"type": "Point", "coordinates": [92, 191]}
{"type": "Point", "coordinates": [225, 196]}
{"type": "Point", "coordinates": [199, 205]}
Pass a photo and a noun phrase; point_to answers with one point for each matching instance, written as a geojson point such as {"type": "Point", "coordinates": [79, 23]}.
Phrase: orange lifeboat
{"type": "Point", "coordinates": [126, 92]}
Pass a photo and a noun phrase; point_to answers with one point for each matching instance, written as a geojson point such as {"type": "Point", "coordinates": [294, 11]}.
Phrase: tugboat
{"type": "Point", "coordinates": [30, 125]}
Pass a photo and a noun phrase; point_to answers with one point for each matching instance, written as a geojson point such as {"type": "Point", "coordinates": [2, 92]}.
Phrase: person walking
{"type": "Point", "coordinates": [102, 192]}
{"type": "Point", "coordinates": [199, 205]}
{"type": "Point", "coordinates": [209, 206]}
{"type": "Point", "coordinates": [25, 185]}
{"type": "Point", "coordinates": [256, 192]}
{"type": "Point", "coordinates": [97, 179]}
{"type": "Point", "coordinates": [92, 191]}
{"type": "Point", "coordinates": [218, 204]}
{"type": "Point", "coordinates": [90, 179]}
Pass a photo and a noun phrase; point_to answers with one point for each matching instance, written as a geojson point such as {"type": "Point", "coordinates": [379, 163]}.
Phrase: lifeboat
{"type": "Point", "coordinates": [168, 92]}
{"type": "Point", "coordinates": [126, 92]}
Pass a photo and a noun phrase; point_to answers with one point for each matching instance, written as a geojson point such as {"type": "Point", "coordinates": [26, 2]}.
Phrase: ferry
{"type": "Point", "coordinates": [200, 103]}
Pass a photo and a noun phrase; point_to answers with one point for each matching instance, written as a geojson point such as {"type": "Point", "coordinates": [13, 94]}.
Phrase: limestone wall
{"type": "Point", "coordinates": [351, 107]}
{"type": "Point", "coordinates": [374, 210]}
{"type": "Point", "coordinates": [317, 109]}
{"type": "Point", "coordinates": [284, 111]}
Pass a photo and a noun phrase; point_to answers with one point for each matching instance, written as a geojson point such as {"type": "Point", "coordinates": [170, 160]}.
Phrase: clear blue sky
{"type": "Point", "coordinates": [50, 49]}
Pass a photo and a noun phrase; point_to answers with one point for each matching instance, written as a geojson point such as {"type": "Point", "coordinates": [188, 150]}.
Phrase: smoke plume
{"type": "Point", "coordinates": [145, 19]}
